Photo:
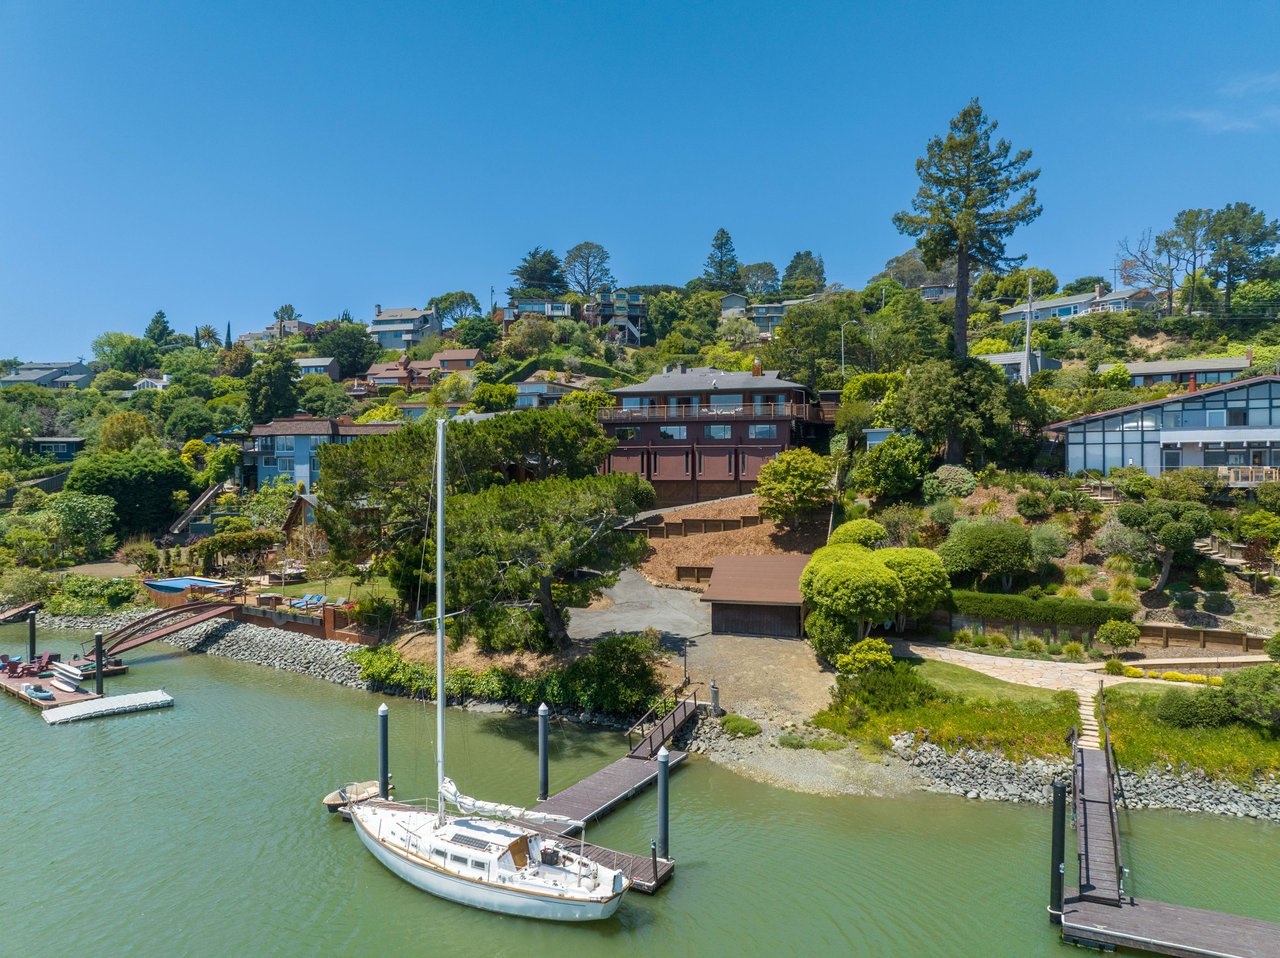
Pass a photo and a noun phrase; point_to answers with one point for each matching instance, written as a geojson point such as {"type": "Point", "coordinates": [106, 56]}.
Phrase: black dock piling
{"type": "Point", "coordinates": [544, 777]}
{"type": "Point", "coordinates": [664, 796]}
{"type": "Point", "coordinates": [384, 774]}
{"type": "Point", "coordinates": [31, 636]}
{"type": "Point", "coordinates": [1058, 865]}
{"type": "Point", "coordinates": [97, 662]}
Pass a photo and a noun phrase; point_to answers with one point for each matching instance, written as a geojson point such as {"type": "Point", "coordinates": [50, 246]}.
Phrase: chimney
{"type": "Point", "coordinates": [1191, 384]}
{"type": "Point", "coordinates": [1100, 291]}
{"type": "Point", "coordinates": [377, 309]}
{"type": "Point", "coordinates": [1248, 356]}
{"type": "Point", "coordinates": [756, 368]}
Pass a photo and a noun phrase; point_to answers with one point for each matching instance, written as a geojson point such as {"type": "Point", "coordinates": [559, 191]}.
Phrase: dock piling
{"type": "Point", "coordinates": [544, 777]}
{"type": "Point", "coordinates": [97, 662]}
{"type": "Point", "coordinates": [1058, 865]}
{"type": "Point", "coordinates": [31, 636]}
{"type": "Point", "coordinates": [664, 796]}
{"type": "Point", "coordinates": [715, 699]}
{"type": "Point", "coordinates": [384, 773]}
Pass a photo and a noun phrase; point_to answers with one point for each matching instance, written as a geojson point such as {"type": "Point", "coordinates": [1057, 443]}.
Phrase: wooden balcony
{"type": "Point", "coordinates": [1246, 477]}
{"type": "Point", "coordinates": [785, 410]}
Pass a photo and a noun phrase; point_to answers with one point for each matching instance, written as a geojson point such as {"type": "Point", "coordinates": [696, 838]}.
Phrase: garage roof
{"type": "Point", "coordinates": [756, 580]}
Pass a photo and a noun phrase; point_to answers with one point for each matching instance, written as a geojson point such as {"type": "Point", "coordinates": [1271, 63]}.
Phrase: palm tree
{"type": "Point", "coordinates": [208, 336]}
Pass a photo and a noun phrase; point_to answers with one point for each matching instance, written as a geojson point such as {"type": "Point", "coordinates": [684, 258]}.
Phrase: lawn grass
{"type": "Point", "coordinates": [1237, 752]}
{"type": "Point", "coordinates": [974, 686]}
{"type": "Point", "coordinates": [339, 587]}
{"type": "Point", "coordinates": [973, 711]}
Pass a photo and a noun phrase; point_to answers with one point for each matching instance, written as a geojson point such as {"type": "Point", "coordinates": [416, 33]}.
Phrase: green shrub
{"type": "Point", "coordinates": [1051, 610]}
{"type": "Point", "coordinates": [1123, 597]}
{"type": "Point", "coordinates": [829, 636]}
{"type": "Point", "coordinates": [1211, 575]}
{"type": "Point", "coordinates": [864, 656]}
{"type": "Point", "coordinates": [979, 641]}
{"type": "Point", "coordinates": [1272, 647]}
{"type": "Point", "coordinates": [1217, 602]}
{"type": "Point", "coordinates": [1032, 506]}
{"type": "Point", "coordinates": [1053, 648]}
{"type": "Point", "coordinates": [1183, 709]}
{"type": "Point", "coordinates": [1132, 672]}
{"type": "Point", "coordinates": [1033, 592]}
{"type": "Point", "coordinates": [791, 740]}
{"type": "Point", "coordinates": [858, 532]}
{"type": "Point", "coordinates": [1255, 695]}
{"type": "Point", "coordinates": [1122, 580]}
{"type": "Point", "coordinates": [618, 675]}
{"type": "Point", "coordinates": [1074, 651]}
{"type": "Point", "coordinates": [1114, 667]}
{"type": "Point", "coordinates": [1034, 645]}
{"type": "Point", "coordinates": [887, 690]}
{"type": "Point", "coordinates": [949, 481]}
{"type": "Point", "coordinates": [997, 640]}
{"type": "Point", "coordinates": [739, 726]}
{"type": "Point", "coordinates": [21, 585]}
{"type": "Point", "coordinates": [1185, 600]}
{"type": "Point", "coordinates": [1121, 565]}
{"type": "Point", "coordinates": [89, 595]}
{"type": "Point", "coordinates": [1100, 594]}
{"type": "Point", "coordinates": [1142, 583]}
{"type": "Point", "coordinates": [965, 637]}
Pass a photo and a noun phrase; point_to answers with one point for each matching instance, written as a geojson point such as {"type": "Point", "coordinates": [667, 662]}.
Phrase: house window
{"type": "Point", "coordinates": [626, 432]}
{"type": "Point", "coordinates": [1171, 459]}
{"type": "Point", "coordinates": [762, 430]}
{"type": "Point", "coordinates": [674, 432]}
{"type": "Point", "coordinates": [284, 444]}
{"type": "Point", "coordinates": [285, 464]}
{"type": "Point", "coordinates": [717, 432]}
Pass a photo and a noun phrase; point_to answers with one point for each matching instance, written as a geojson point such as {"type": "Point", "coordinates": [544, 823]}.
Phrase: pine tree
{"type": "Point", "coordinates": [805, 274]}
{"type": "Point", "coordinates": [539, 275]}
{"type": "Point", "coordinates": [722, 271]}
{"type": "Point", "coordinates": [227, 343]}
{"type": "Point", "coordinates": [972, 197]}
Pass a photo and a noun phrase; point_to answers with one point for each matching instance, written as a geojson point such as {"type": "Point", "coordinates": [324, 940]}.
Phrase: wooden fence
{"type": "Point", "coordinates": [1166, 633]}
{"type": "Point", "coordinates": [693, 527]}
{"type": "Point", "coordinates": [49, 484]}
{"type": "Point", "coordinates": [693, 573]}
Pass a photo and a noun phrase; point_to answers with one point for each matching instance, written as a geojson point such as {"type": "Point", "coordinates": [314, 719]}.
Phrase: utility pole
{"type": "Point", "coordinates": [1026, 343]}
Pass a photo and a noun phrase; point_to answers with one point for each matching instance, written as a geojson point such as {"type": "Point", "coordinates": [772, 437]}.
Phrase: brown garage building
{"type": "Point", "coordinates": [757, 595]}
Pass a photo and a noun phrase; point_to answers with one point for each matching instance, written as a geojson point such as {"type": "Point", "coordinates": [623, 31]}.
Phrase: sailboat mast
{"type": "Point", "coordinates": [440, 615]}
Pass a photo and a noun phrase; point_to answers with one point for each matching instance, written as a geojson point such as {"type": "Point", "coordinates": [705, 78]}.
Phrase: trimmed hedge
{"type": "Point", "coordinates": [1050, 610]}
{"type": "Point", "coordinates": [588, 367]}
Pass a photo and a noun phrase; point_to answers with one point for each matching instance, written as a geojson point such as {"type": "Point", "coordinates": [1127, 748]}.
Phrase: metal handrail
{"type": "Point", "coordinates": [1112, 776]}
{"type": "Point", "coordinates": [699, 411]}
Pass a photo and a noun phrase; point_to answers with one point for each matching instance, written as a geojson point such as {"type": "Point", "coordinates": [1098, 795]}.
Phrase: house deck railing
{"type": "Point", "coordinates": [1248, 475]}
{"type": "Point", "coordinates": [667, 413]}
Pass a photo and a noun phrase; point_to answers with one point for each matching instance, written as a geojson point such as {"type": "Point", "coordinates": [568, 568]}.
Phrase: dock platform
{"type": "Point", "coordinates": [14, 687]}
{"type": "Point", "coordinates": [108, 705]}
{"type": "Point", "coordinates": [1102, 916]}
{"type": "Point", "coordinates": [597, 795]}
{"type": "Point", "coordinates": [645, 876]}
{"type": "Point", "coordinates": [1163, 929]}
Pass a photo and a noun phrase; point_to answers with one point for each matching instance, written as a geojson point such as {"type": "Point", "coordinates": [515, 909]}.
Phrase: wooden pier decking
{"type": "Point", "coordinates": [1097, 833]}
{"type": "Point", "coordinates": [1162, 929]}
{"type": "Point", "coordinates": [14, 687]}
{"type": "Point", "coordinates": [1102, 916]}
{"type": "Point", "coordinates": [597, 795]}
{"type": "Point", "coordinates": [645, 875]}
{"type": "Point", "coordinates": [18, 613]}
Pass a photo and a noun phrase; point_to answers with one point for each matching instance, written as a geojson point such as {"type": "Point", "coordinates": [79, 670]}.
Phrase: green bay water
{"type": "Point", "coordinates": [197, 830]}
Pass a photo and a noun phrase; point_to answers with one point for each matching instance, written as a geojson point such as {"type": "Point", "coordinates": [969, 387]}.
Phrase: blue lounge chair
{"type": "Point", "coordinates": [302, 603]}
{"type": "Point", "coordinates": [319, 600]}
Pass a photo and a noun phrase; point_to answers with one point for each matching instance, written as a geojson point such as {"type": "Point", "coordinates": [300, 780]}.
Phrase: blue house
{"type": "Point", "coordinates": [290, 447]}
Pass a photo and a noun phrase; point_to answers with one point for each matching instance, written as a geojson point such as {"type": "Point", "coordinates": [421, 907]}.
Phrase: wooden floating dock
{"type": "Point", "coordinates": [14, 685]}
{"type": "Point", "coordinates": [597, 795]}
{"type": "Point", "coordinates": [1102, 916]}
{"type": "Point", "coordinates": [1153, 926]}
{"type": "Point", "coordinates": [113, 705]}
{"type": "Point", "coordinates": [18, 613]}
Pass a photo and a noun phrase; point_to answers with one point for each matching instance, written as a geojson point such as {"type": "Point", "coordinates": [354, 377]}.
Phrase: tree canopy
{"type": "Point", "coordinates": [539, 276]}
{"type": "Point", "coordinates": [973, 195]}
{"type": "Point", "coordinates": [722, 272]}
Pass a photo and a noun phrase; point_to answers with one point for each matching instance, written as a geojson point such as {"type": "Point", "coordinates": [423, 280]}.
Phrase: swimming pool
{"type": "Point", "coordinates": [182, 583]}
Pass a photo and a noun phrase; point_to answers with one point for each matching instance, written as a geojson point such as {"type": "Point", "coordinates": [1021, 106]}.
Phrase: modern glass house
{"type": "Point", "coordinates": [1234, 427]}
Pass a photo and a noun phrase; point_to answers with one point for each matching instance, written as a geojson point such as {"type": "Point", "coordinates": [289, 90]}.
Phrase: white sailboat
{"type": "Point", "coordinates": [484, 857]}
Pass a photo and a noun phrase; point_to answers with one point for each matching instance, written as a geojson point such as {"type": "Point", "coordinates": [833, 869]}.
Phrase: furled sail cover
{"type": "Point", "coordinates": [474, 806]}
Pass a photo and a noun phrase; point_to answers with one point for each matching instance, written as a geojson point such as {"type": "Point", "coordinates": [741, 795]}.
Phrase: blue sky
{"type": "Point", "coordinates": [216, 160]}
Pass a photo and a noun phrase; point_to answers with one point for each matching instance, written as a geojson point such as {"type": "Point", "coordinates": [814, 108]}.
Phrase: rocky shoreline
{"type": "Point", "coordinates": [989, 777]}
{"type": "Point", "coordinates": [912, 765]}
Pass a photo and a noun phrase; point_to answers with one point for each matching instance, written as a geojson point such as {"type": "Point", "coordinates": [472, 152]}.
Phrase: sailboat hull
{"type": "Point", "coordinates": [477, 894]}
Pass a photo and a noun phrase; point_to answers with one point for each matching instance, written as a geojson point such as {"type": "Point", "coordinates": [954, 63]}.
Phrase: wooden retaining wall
{"type": "Point", "coordinates": [693, 573]}
{"type": "Point", "coordinates": [1166, 633]}
{"type": "Point", "coordinates": [693, 527]}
